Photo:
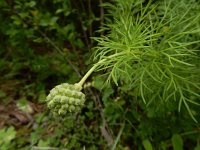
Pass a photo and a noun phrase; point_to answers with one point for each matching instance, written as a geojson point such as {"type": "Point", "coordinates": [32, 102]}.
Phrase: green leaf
{"type": "Point", "coordinates": [197, 147]}
{"type": "Point", "coordinates": [23, 105]}
{"type": "Point", "coordinates": [43, 143]}
{"type": "Point", "coordinates": [177, 142]}
{"type": "Point", "coordinates": [10, 134]}
{"type": "Point", "coordinates": [98, 83]}
{"type": "Point", "coordinates": [31, 4]}
{"type": "Point", "coordinates": [147, 145]}
{"type": "Point", "coordinates": [107, 93]}
{"type": "Point", "coordinates": [6, 135]}
{"type": "Point", "coordinates": [38, 40]}
{"type": "Point", "coordinates": [59, 10]}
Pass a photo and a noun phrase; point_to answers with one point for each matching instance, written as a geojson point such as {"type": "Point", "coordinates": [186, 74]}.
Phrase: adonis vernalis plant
{"type": "Point", "coordinates": [150, 49]}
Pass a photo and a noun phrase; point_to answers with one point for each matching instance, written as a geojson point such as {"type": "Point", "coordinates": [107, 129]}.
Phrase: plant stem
{"type": "Point", "coordinates": [81, 82]}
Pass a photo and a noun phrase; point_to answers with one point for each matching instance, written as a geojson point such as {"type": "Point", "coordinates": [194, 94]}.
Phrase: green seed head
{"type": "Point", "coordinates": [65, 98]}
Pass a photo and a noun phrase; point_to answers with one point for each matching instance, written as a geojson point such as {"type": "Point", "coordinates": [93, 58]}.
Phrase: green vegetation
{"type": "Point", "coordinates": [136, 61]}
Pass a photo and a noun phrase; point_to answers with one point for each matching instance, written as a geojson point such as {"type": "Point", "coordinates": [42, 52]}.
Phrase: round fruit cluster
{"type": "Point", "coordinates": [65, 98]}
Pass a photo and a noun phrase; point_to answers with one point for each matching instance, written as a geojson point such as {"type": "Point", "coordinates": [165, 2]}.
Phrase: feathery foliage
{"type": "Point", "coordinates": [154, 50]}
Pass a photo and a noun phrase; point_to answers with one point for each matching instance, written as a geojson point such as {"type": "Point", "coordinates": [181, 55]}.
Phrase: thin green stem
{"type": "Point", "coordinates": [82, 81]}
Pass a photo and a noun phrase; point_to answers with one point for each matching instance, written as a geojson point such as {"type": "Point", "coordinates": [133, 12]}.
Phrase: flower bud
{"type": "Point", "coordinates": [65, 98]}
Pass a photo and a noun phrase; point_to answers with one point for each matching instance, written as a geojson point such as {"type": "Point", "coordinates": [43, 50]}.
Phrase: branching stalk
{"type": "Point", "coordinates": [82, 81]}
